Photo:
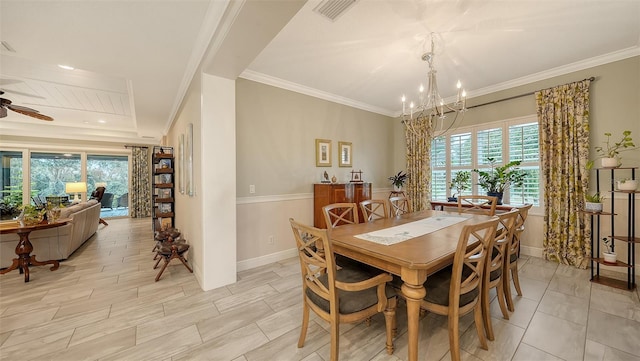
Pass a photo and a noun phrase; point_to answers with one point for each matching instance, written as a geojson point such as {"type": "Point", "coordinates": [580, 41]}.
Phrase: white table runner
{"type": "Point", "coordinates": [403, 232]}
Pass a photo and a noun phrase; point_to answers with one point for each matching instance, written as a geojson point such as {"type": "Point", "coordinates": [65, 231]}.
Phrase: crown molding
{"type": "Point", "coordinates": [285, 84]}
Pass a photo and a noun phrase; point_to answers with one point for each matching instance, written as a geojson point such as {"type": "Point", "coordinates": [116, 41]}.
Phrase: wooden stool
{"type": "Point", "coordinates": [170, 250]}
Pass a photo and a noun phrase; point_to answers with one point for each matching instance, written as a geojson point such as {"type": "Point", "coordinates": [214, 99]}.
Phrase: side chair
{"type": "Point", "coordinates": [337, 214]}
{"type": "Point", "coordinates": [455, 291]}
{"type": "Point", "coordinates": [477, 204]}
{"type": "Point", "coordinates": [373, 209]}
{"type": "Point", "coordinates": [339, 296]}
{"type": "Point", "coordinates": [493, 274]}
{"type": "Point", "coordinates": [513, 252]}
{"type": "Point", "coordinates": [399, 206]}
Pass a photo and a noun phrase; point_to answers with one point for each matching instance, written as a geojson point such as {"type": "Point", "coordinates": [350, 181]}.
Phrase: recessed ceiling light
{"type": "Point", "coordinates": [67, 154]}
{"type": "Point", "coordinates": [102, 121]}
{"type": "Point", "coordinates": [66, 67]}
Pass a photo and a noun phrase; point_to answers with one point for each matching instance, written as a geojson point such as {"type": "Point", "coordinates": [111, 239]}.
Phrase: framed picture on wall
{"type": "Point", "coordinates": [344, 159]}
{"type": "Point", "coordinates": [323, 153]}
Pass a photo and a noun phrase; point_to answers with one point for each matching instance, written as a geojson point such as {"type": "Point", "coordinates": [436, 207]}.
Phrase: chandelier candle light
{"type": "Point", "coordinates": [431, 104]}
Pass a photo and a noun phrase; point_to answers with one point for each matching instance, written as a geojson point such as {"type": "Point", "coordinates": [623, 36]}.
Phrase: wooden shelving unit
{"type": "Point", "coordinates": [163, 187]}
{"type": "Point", "coordinates": [629, 238]}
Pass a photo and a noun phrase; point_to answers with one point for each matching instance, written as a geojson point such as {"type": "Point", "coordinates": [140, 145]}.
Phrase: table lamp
{"type": "Point", "coordinates": [76, 188]}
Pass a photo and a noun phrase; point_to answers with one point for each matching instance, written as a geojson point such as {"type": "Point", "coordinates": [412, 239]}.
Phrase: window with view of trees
{"type": "Point", "coordinates": [468, 148]}
{"type": "Point", "coordinates": [50, 171]}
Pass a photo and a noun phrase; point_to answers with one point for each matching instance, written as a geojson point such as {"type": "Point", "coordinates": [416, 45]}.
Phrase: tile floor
{"type": "Point", "coordinates": [103, 304]}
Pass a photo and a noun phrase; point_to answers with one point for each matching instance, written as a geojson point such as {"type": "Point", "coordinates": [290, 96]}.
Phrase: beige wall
{"type": "Point", "coordinates": [277, 128]}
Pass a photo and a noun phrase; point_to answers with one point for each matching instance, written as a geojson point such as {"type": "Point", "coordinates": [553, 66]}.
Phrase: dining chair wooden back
{"type": "Point", "coordinates": [493, 274]}
{"type": "Point", "coordinates": [339, 296]}
{"type": "Point", "coordinates": [513, 252]}
{"type": "Point", "coordinates": [373, 209]}
{"type": "Point", "coordinates": [455, 291]}
{"type": "Point", "coordinates": [337, 214]}
{"type": "Point", "coordinates": [399, 206]}
{"type": "Point", "coordinates": [477, 204]}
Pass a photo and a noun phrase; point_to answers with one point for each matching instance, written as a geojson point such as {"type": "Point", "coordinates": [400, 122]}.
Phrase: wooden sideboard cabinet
{"type": "Point", "coordinates": [326, 193]}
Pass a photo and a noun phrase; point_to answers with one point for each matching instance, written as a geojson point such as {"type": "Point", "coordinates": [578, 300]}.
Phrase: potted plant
{"type": "Point", "coordinates": [460, 183]}
{"type": "Point", "coordinates": [593, 202]}
{"type": "Point", "coordinates": [398, 180]}
{"type": "Point", "coordinates": [609, 152]}
{"type": "Point", "coordinates": [498, 179]}
{"type": "Point", "coordinates": [627, 184]}
{"type": "Point", "coordinates": [609, 255]}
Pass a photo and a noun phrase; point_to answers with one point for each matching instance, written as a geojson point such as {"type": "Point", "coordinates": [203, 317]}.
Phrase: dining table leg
{"type": "Point", "coordinates": [413, 293]}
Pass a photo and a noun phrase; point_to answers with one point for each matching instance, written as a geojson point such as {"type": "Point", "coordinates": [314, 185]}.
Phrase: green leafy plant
{"type": "Point", "coordinates": [499, 178]}
{"type": "Point", "coordinates": [594, 198]}
{"type": "Point", "coordinates": [399, 179]}
{"type": "Point", "coordinates": [461, 182]}
{"type": "Point", "coordinates": [612, 149]}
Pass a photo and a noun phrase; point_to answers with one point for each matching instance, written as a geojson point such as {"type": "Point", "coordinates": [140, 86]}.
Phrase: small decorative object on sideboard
{"type": "Point", "coordinates": [356, 176]}
{"type": "Point", "coordinates": [334, 179]}
{"type": "Point", "coordinates": [627, 184]}
{"type": "Point", "coordinates": [609, 255]}
{"type": "Point", "coordinates": [593, 203]}
{"type": "Point", "coordinates": [398, 180]}
{"type": "Point", "coordinates": [608, 153]}
{"type": "Point", "coordinates": [325, 177]}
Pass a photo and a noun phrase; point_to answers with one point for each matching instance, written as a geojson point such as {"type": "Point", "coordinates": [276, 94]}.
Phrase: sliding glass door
{"type": "Point", "coordinates": [111, 172]}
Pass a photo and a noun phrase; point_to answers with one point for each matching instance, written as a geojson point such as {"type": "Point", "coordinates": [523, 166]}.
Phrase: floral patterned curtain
{"type": "Point", "coordinates": [563, 114]}
{"type": "Point", "coordinates": [418, 136]}
{"type": "Point", "coordinates": [140, 183]}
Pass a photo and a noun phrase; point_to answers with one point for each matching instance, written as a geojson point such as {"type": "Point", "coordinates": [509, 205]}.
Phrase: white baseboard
{"type": "Point", "coordinates": [266, 259]}
{"type": "Point", "coordinates": [531, 251]}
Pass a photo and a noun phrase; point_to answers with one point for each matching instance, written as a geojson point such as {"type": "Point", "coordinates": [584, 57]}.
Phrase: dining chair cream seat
{"type": "Point", "coordinates": [399, 206]}
{"type": "Point", "coordinates": [339, 296]}
{"type": "Point", "coordinates": [513, 252]}
{"type": "Point", "coordinates": [477, 204]}
{"type": "Point", "coordinates": [493, 274]}
{"type": "Point", "coordinates": [456, 290]}
{"type": "Point", "coordinates": [373, 209]}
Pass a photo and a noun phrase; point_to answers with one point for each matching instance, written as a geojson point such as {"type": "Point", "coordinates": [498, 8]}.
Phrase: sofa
{"type": "Point", "coordinates": [60, 242]}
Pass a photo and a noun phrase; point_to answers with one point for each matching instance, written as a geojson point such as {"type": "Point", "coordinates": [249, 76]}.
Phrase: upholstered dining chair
{"type": "Point", "coordinates": [455, 291]}
{"type": "Point", "coordinates": [373, 209]}
{"type": "Point", "coordinates": [477, 204]}
{"type": "Point", "coordinates": [339, 296]}
{"type": "Point", "coordinates": [399, 206]}
{"type": "Point", "coordinates": [493, 274]}
{"type": "Point", "coordinates": [513, 252]}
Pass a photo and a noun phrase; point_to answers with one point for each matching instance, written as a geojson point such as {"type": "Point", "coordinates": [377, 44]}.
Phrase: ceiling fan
{"type": "Point", "coordinates": [6, 104]}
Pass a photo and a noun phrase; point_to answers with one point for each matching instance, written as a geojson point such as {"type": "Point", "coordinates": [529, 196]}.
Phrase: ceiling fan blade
{"type": "Point", "coordinates": [29, 112]}
{"type": "Point", "coordinates": [23, 94]}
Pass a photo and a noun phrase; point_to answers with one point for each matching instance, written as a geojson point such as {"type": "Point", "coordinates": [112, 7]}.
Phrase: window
{"type": "Point", "coordinates": [470, 147]}
{"type": "Point", "coordinates": [51, 171]}
{"type": "Point", "coordinates": [113, 172]}
{"type": "Point", "coordinates": [11, 184]}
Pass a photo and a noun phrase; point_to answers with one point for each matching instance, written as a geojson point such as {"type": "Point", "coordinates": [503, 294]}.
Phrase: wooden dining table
{"type": "Point", "coordinates": [413, 259]}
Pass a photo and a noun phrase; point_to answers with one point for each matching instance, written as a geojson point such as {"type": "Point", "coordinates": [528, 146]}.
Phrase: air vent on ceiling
{"type": "Point", "coordinates": [331, 9]}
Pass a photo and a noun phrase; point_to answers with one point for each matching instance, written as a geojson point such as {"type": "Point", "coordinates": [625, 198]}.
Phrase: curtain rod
{"type": "Point", "coordinates": [136, 146]}
{"type": "Point", "coordinates": [515, 97]}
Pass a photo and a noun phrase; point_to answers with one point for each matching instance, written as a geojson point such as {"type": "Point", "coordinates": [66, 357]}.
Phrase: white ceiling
{"type": "Point", "coordinates": [134, 59]}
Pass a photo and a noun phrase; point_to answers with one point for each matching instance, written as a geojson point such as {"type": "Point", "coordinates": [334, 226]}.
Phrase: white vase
{"type": "Point", "coordinates": [610, 163]}
{"type": "Point", "coordinates": [628, 185]}
{"type": "Point", "coordinates": [609, 257]}
{"type": "Point", "coordinates": [397, 189]}
{"type": "Point", "coordinates": [592, 207]}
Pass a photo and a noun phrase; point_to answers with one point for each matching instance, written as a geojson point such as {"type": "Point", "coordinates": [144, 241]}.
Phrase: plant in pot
{"type": "Point", "coordinates": [608, 153]}
{"type": "Point", "coordinates": [609, 255]}
{"type": "Point", "coordinates": [627, 184]}
{"type": "Point", "coordinates": [500, 178]}
{"type": "Point", "coordinates": [593, 202]}
{"type": "Point", "coordinates": [398, 180]}
{"type": "Point", "coordinates": [460, 183]}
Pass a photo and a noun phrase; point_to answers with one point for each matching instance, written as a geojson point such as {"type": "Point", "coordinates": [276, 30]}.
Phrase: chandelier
{"type": "Point", "coordinates": [431, 105]}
